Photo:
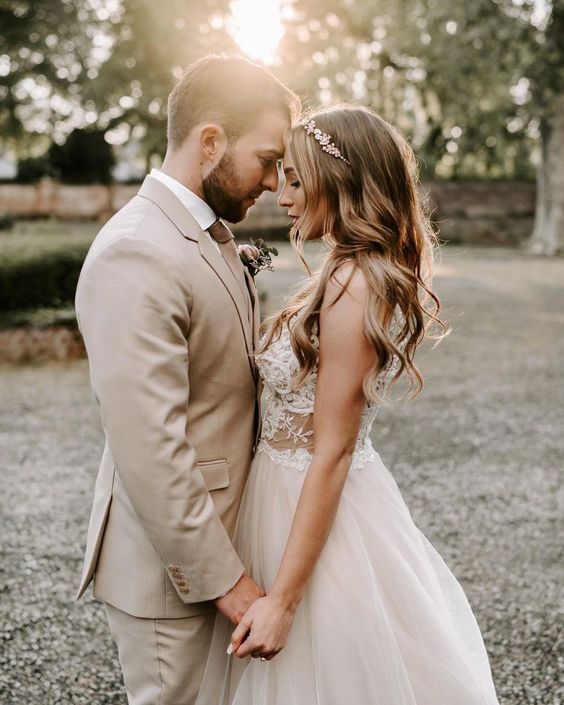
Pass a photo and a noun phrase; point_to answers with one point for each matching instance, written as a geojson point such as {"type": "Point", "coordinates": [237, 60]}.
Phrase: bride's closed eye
{"type": "Point", "coordinates": [295, 184]}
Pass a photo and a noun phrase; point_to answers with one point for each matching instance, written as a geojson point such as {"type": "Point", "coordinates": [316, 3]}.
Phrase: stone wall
{"type": "Point", "coordinates": [27, 344]}
{"type": "Point", "coordinates": [484, 213]}
{"type": "Point", "coordinates": [68, 202]}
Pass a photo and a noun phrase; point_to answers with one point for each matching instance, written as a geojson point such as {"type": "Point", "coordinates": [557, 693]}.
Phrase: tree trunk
{"type": "Point", "coordinates": [548, 233]}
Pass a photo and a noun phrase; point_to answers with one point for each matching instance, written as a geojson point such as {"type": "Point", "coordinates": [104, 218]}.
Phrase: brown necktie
{"type": "Point", "coordinates": [224, 238]}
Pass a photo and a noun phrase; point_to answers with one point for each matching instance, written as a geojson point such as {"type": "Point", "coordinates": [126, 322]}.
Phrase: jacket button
{"type": "Point", "coordinates": [184, 590]}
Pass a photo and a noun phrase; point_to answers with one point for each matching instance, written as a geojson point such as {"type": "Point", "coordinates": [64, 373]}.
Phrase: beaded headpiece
{"type": "Point", "coordinates": [323, 138]}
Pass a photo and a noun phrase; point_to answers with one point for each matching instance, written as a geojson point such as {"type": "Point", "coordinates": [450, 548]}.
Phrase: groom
{"type": "Point", "coordinates": [169, 317]}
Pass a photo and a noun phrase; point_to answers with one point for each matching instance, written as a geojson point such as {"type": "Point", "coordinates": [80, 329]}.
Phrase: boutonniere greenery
{"type": "Point", "coordinates": [257, 256]}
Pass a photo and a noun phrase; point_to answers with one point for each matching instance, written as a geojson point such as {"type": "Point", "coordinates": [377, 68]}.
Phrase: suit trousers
{"type": "Point", "coordinates": [162, 660]}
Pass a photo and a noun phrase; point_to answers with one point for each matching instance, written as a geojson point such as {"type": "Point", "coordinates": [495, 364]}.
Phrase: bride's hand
{"type": "Point", "coordinates": [248, 252]}
{"type": "Point", "coordinates": [267, 623]}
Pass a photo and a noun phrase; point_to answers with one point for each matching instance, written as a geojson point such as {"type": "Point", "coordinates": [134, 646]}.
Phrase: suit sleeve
{"type": "Point", "coordinates": [133, 304]}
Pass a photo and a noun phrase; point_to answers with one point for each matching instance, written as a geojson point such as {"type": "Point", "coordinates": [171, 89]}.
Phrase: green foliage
{"type": "Point", "coordinates": [152, 44]}
{"type": "Point", "coordinates": [472, 84]}
{"type": "Point", "coordinates": [39, 266]}
{"type": "Point", "coordinates": [6, 221]}
{"type": "Point", "coordinates": [115, 62]}
{"type": "Point", "coordinates": [467, 81]}
{"type": "Point", "coordinates": [39, 318]}
{"type": "Point", "coordinates": [49, 43]}
{"type": "Point", "coordinates": [34, 168]}
{"type": "Point", "coordinates": [84, 158]}
{"type": "Point", "coordinates": [49, 280]}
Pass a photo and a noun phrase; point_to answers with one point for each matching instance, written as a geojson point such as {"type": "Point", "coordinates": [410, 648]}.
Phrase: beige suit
{"type": "Point", "coordinates": [169, 345]}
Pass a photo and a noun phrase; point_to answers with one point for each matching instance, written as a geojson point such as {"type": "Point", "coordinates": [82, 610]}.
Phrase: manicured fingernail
{"type": "Point", "coordinates": [230, 649]}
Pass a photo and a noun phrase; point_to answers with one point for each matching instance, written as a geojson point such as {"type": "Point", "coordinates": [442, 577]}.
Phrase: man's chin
{"type": "Point", "coordinates": [236, 215]}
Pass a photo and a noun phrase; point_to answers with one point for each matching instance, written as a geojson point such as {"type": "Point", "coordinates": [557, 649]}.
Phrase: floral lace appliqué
{"type": "Point", "coordinates": [287, 416]}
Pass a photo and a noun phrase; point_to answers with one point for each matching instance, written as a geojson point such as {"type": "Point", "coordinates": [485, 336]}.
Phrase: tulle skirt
{"type": "Point", "coordinates": [383, 620]}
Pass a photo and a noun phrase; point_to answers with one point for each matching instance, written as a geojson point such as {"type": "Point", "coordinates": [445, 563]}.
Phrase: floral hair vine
{"type": "Point", "coordinates": [323, 138]}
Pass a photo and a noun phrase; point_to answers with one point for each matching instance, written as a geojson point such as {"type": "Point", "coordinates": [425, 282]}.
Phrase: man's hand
{"type": "Point", "coordinates": [238, 600]}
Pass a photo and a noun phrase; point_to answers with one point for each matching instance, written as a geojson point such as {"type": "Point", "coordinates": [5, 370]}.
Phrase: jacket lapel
{"type": "Point", "coordinates": [251, 286]}
{"type": "Point", "coordinates": [256, 338]}
{"type": "Point", "coordinates": [209, 252]}
{"type": "Point", "coordinates": [176, 212]}
{"type": "Point", "coordinates": [154, 190]}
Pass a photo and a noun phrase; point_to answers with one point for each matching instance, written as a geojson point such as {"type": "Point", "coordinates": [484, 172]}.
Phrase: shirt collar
{"type": "Point", "coordinates": [197, 207]}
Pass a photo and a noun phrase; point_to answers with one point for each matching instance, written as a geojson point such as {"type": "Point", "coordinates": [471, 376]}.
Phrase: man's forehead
{"type": "Point", "coordinates": [267, 135]}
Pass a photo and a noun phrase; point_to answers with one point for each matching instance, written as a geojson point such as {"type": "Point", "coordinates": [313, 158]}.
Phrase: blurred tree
{"type": "Point", "coordinates": [152, 44]}
{"type": "Point", "coordinates": [509, 59]}
{"type": "Point", "coordinates": [32, 169]}
{"type": "Point", "coordinates": [419, 65]}
{"type": "Point", "coordinates": [497, 69]}
{"type": "Point", "coordinates": [84, 158]}
{"type": "Point", "coordinates": [547, 78]}
{"type": "Point", "coordinates": [45, 51]}
{"type": "Point", "coordinates": [476, 85]}
{"type": "Point", "coordinates": [68, 64]}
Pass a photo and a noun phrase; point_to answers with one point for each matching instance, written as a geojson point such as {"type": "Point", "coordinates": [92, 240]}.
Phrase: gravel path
{"type": "Point", "coordinates": [478, 457]}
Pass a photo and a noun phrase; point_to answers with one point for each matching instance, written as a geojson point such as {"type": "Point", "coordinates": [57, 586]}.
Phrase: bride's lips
{"type": "Point", "coordinates": [294, 218]}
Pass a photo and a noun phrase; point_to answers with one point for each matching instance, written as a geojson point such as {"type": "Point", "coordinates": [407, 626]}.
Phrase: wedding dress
{"type": "Point", "coordinates": [383, 620]}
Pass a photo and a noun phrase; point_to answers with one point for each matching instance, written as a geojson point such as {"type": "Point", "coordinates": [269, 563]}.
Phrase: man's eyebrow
{"type": "Point", "coordinates": [274, 153]}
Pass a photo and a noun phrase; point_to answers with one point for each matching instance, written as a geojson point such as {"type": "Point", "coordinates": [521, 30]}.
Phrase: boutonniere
{"type": "Point", "coordinates": [257, 256]}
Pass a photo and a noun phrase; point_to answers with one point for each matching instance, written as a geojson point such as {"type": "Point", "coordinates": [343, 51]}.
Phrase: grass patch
{"type": "Point", "coordinates": [39, 318]}
{"type": "Point", "coordinates": [34, 239]}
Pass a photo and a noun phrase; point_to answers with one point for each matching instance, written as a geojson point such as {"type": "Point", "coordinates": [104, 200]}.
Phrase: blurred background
{"type": "Point", "coordinates": [478, 87]}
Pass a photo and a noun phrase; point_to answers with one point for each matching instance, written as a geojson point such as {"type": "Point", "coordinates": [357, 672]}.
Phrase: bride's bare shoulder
{"type": "Point", "coordinates": [347, 283]}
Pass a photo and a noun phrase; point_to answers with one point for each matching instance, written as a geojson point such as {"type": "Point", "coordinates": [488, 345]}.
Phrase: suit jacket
{"type": "Point", "coordinates": [170, 348]}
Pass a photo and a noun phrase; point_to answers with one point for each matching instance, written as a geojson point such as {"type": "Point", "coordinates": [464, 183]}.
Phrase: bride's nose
{"type": "Point", "coordinates": [284, 200]}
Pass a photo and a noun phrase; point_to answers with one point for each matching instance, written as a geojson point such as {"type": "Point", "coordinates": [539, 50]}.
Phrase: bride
{"type": "Point", "coordinates": [360, 608]}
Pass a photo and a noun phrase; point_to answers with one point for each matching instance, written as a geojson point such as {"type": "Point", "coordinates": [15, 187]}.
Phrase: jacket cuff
{"type": "Point", "coordinates": [207, 586]}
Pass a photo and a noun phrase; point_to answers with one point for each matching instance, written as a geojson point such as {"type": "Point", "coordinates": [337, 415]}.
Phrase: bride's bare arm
{"type": "Point", "coordinates": [345, 357]}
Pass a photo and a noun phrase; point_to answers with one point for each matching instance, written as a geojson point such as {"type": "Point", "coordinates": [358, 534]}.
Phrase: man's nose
{"type": "Point", "coordinates": [270, 181]}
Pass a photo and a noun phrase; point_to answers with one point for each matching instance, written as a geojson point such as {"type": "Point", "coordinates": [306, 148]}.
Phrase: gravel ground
{"type": "Point", "coordinates": [478, 457]}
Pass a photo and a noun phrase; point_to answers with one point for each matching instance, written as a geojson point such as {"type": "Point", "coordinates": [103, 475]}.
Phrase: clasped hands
{"type": "Point", "coordinates": [263, 621]}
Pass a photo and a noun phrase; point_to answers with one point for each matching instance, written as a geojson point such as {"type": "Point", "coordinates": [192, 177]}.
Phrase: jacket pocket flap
{"type": "Point", "coordinates": [215, 473]}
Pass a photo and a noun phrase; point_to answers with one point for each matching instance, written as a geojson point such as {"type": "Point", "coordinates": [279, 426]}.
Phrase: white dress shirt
{"type": "Point", "coordinates": [198, 209]}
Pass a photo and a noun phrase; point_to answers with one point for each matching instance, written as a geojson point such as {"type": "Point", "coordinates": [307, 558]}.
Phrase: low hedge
{"type": "Point", "coordinates": [46, 280]}
{"type": "Point", "coordinates": [41, 318]}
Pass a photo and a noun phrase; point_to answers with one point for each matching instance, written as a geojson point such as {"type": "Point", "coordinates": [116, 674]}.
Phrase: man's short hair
{"type": "Point", "coordinates": [229, 90]}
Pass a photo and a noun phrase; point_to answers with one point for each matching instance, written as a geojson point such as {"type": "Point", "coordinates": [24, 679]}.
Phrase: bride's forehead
{"type": "Point", "coordinates": [287, 161]}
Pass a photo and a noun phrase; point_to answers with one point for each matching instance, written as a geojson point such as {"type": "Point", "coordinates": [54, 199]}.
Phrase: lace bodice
{"type": "Point", "coordinates": [287, 412]}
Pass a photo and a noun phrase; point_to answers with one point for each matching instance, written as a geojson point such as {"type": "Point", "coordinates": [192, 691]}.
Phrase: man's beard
{"type": "Point", "coordinates": [219, 191]}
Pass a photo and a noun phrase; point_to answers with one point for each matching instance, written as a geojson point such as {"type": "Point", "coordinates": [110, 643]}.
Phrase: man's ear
{"type": "Point", "coordinates": [213, 144]}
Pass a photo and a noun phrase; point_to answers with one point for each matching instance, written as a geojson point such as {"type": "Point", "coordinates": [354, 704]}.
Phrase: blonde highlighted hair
{"type": "Point", "coordinates": [373, 216]}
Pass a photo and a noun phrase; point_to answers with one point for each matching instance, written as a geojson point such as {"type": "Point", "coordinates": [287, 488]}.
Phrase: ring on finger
{"type": "Point", "coordinates": [257, 654]}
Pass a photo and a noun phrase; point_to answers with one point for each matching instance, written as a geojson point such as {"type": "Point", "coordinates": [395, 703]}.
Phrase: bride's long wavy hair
{"type": "Point", "coordinates": [371, 214]}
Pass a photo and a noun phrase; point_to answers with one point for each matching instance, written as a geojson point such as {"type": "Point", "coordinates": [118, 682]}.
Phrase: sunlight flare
{"type": "Point", "coordinates": [257, 27]}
